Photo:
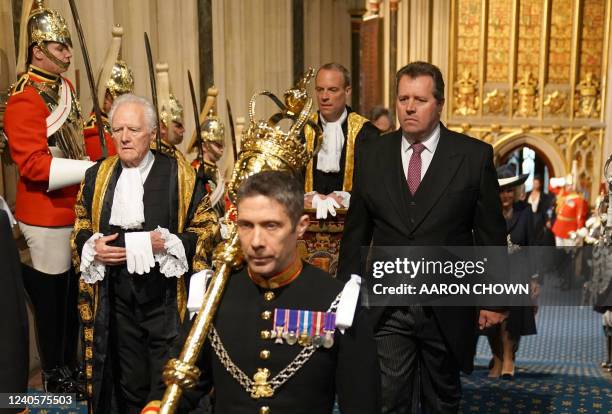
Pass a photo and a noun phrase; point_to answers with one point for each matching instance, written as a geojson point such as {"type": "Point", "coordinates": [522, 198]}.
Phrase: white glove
{"type": "Point", "coordinates": [317, 203]}
{"type": "Point", "coordinates": [332, 205]}
{"type": "Point", "coordinates": [348, 303]}
{"type": "Point", "coordinates": [324, 206]}
{"type": "Point", "coordinates": [197, 288]}
{"type": "Point", "coordinates": [345, 196]}
{"type": "Point", "coordinates": [139, 252]}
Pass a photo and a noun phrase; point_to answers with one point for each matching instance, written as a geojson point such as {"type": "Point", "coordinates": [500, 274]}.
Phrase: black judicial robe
{"type": "Point", "coordinates": [349, 369]}
{"type": "Point", "coordinates": [185, 213]}
{"type": "Point", "coordinates": [355, 129]}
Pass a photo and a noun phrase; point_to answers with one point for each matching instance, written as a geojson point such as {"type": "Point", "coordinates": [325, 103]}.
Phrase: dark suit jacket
{"type": "Point", "coordinates": [14, 357]}
{"type": "Point", "coordinates": [542, 235]}
{"type": "Point", "coordinates": [457, 204]}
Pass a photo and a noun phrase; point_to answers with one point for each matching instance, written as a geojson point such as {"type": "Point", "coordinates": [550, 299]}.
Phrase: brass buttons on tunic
{"type": "Point", "coordinates": [269, 295]}
{"type": "Point", "coordinates": [265, 334]}
{"type": "Point", "coordinates": [264, 354]}
{"type": "Point", "coordinates": [266, 315]}
{"type": "Point", "coordinates": [264, 410]}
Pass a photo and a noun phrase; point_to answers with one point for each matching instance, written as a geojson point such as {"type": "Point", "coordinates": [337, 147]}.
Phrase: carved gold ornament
{"type": "Point", "coordinates": [555, 102]}
{"type": "Point", "coordinates": [588, 102]}
{"type": "Point", "coordinates": [466, 99]}
{"type": "Point", "coordinates": [495, 101]}
{"type": "Point", "coordinates": [526, 100]}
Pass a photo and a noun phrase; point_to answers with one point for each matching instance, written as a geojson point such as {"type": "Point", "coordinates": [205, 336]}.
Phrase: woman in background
{"type": "Point", "coordinates": [504, 338]}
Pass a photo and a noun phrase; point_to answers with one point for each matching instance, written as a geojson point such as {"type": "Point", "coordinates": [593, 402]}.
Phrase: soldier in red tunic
{"type": "Point", "coordinates": [44, 128]}
{"type": "Point", "coordinates": [115, 79]}
{"type": "Point", "coordinates": [170, 115]}
{"type": "Point", "coordinates": [570, 216]}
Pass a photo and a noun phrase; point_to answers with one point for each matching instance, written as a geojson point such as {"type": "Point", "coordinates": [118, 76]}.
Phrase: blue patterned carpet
{"type": "Point", "coordinates": [557, 370]}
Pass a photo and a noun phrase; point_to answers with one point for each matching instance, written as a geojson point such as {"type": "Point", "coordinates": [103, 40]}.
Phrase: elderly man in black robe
{"type": "Point", "coordinates": [144, 223]}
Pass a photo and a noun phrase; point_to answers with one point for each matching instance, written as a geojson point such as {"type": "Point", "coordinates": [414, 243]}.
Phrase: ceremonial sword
{"type": "Point", "coordinates": [153, 90]}
{"type": "Point", "coordinates": [92, 86]}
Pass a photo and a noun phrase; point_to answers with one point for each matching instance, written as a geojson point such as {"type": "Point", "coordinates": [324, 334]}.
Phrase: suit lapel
{"type": "Point", "coordinates": [395, 182]}
{"type": "Point", "coordinates": [440, 172]}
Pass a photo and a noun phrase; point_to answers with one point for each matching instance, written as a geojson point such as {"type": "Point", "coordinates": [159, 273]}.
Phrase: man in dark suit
{"type": "Point", "coordinates": [423, 185]}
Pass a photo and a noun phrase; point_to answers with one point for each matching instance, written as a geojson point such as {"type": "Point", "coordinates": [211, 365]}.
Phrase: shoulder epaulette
{"type": "Point", "coordinates": [91, 122]}
{"type": "Point", "coordinates": [20, 85]}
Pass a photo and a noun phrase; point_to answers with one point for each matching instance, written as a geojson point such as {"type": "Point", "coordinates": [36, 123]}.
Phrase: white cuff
{"type": "Point", "coordinates": [197, 288]}
{"type": "Point", "coordinates": [65, 172]}
{"type": "Point", "coordinates": [92, 271]}
{"type": "Point", "coordinates": [348, 303]}
{"type": "Point", "coordinates": [173, 263]}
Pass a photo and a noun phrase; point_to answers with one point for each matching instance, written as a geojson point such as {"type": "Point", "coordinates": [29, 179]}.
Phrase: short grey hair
{"type": "Point", "coordinates": [281, 186]}
{"type": "Point", "coordinates": [149, 110]}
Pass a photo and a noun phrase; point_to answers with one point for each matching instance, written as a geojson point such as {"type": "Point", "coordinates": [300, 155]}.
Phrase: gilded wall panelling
{"type": "Point", "coordinates": [559, 52]}
{"type": "Point", "coordinates": [498, 41]}
{"type": "Point", "coordinates": [544, 45]}
{"type": "Point", "coordinates": [530, 19]}
{"type": "Point", "coordinates": [513, 52]}
{"type": "Point", "coordinates": [574, 54]}
{"type": "Point", "coordinates": [466, 38]}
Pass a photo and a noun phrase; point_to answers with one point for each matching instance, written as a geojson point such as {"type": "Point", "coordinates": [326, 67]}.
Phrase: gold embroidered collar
{"type": "Point", "coordinates": [43, 74]}
{"type": "Point", "coordinates": [282, 278]}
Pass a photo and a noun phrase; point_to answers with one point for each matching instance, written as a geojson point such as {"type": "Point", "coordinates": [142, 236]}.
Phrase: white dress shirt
{"type": "Point", "coordinates": [431, 143]}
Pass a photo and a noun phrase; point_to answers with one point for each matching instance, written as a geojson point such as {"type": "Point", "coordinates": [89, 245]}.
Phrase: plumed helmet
{"type": "Point", "coordinates": [115, 75]}
{"type": "Point", "coordinates": [39, 25]}
{"type": "Point", "coordinates": [213, 129]}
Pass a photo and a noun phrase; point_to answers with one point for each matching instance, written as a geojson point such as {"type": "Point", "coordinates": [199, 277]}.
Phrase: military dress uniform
{"type": "Point", "coordinates": [254, 370]}
{"type": "Point", "coordinates": [43, 124]}
{"type": "Point", "coordinates": [571, 214]}
{"type": "Point", "coordinates": [92, 138]}
{"type": "Point", "coordinates": [355, 128]}
{"type": "Point", "coordinates": [116, 79]}
{"type": "Point", "coordinates": [212, 132]}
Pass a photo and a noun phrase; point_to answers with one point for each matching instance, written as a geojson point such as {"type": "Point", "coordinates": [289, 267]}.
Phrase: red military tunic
{"type": "Point", "coordinates": [571, 213]}
{"type": "Point", "coordinates": [92, 140]}
{"type": "Point", "coordinates": [25, 126]}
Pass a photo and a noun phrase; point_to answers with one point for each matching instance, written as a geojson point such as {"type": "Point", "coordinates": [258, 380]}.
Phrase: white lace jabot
{"type": "Point", "coordinates": [328, 158]}
{"type": "Point", "coordinates": [127, 211]}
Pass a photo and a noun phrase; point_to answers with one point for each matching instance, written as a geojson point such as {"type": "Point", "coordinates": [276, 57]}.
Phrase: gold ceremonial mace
{"type": "Point", "coordinates": [265, 147]}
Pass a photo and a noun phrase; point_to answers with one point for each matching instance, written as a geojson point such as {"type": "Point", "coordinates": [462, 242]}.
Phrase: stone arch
{"type": "Point", "coordinates": [551, 153]}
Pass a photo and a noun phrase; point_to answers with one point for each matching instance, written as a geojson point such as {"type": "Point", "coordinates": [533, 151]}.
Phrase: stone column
{"type": "Point", "coordinates": [393, 8]}
{"type": "Point", "coordinates": [356, 11]}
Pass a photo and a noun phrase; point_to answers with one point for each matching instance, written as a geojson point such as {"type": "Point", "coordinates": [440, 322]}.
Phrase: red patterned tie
{"type": "Point", "coordinates": [414, 167]}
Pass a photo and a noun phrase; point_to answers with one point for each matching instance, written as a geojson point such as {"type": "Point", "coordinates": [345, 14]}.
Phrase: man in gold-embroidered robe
{"type": "Point", "coordinates": [144, 223]}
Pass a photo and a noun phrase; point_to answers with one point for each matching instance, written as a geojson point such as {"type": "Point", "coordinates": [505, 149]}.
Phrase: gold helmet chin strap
{"type": "Point", "coordinates": [43, 47]}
